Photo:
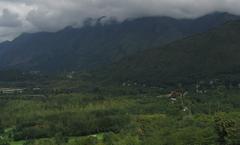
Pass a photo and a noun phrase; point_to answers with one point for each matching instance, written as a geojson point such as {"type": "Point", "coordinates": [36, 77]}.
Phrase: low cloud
{"type": "Point", "coordinates": [9, 19]}
{"type": "Point", "coordinates": [52, 15]}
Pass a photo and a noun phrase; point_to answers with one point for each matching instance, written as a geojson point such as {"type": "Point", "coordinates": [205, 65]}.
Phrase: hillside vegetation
{"type": "Point", "coordinates": [120, 115]}
{"type": "Point", "coordinates": [211, 55]}
{"type": "Point", "coordinates": [101, 44]}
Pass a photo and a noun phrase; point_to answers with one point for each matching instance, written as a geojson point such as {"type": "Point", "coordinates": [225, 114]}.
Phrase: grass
{"type": "Point", "coordinates": [71, 139]}
{"type": "Point", "coordinates": [17, 143]}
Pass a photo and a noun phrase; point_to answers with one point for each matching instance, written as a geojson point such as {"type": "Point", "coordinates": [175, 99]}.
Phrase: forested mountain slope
{"type": "Point", "coordinates": [215, 54]}
{"type": "Point", "coordinates": [99, 45]}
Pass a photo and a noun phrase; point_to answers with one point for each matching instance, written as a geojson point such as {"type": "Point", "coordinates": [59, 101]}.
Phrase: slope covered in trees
{"type": "Point", "coordinates": [215, 54]}
{"type": "Point", "coordinates": [97, 45]}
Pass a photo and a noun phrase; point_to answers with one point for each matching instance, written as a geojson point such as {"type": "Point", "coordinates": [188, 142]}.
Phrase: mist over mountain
{"type": "Point", "coordinates": [99, 45]}
{"type": "Point", "coordinates": [18, 16]}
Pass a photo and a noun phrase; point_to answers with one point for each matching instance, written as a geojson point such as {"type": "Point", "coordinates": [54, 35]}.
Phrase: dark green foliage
{"type": "Point", "coordinates": [29, 142]}
{"type": "Point", "coordinates": [40, 142]}
{"type": "Point", "coordinates": [99, 45]}
{"type": "Point", "coordinates": [228, 128]}
{"type": "Point", "coordinates": [1, 127]}
{"type": "Point", "coordinates": [124, 115]}
{"type": "Point", "coordinates": [16, 75]}
{"type": "Point", "coordinates": [60, 139]}
{"type": "Point", "coordinates": [88, 141]}
{"type": "Point", "coordinates": [71, 124]}
{"type": "Point", "coordinates": [120, 139]}
{"type": "Point", "coordinates": [206, 56]}
{"type": "Point", "coordinates": [4, 141]}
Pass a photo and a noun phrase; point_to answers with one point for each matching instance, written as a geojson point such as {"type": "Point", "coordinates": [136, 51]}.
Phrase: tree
{"type": "Point", "coordinates": [1, 127]}
{"type": "Point", "coordinates": [4, 141]}
{"type": "Point", "coordinates": [60, 139]}
{"type": "Point", "coordinates": [228, 129]}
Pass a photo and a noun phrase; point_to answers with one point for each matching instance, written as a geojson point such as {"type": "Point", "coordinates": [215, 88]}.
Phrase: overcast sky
{"type": "Point", "coordinates": [17, 16]}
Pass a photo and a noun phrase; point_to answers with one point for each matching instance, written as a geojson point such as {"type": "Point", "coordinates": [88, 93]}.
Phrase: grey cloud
{"type": "Point", "coordinates": [9, 19]}
{"type": "Point", "coordinates": [52, 15]}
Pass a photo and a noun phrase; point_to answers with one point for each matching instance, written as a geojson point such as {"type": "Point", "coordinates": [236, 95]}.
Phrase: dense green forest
{"type": "Point", "coordinates": [214, 54]}
{"type": "Point", "coordinates": [67, 110]}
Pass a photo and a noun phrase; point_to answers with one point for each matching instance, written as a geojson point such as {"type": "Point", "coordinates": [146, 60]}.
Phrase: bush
{"type": "Point", "coordinates": [86, 141]}
{"type": "Point", "coordinates": [4, 141]}
{"type": "Point", "coordinates": [60, 139]}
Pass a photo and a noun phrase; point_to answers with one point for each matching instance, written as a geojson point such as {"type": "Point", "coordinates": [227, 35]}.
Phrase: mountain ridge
{"type": "Point", "coordinates": [100, 45]}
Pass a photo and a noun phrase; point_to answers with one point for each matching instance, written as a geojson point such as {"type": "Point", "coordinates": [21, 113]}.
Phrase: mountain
{"type": "Point", "coordinates": [211, 55]}
{"type": "Point", "coordinates": [101, 44]}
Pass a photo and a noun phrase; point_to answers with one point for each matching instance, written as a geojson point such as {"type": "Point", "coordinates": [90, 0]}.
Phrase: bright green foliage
{"type": "Point", "coordinates": [123, 117]}
{"type": "Point", "coordinates": [228, 128]}
{"type": "Point", "coordinates": [120, 139]}
{"type": "Point", "coordinates": [86, 141]}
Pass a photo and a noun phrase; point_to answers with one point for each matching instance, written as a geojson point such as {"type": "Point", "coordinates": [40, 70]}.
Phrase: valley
{"type": "Point", "coordinates": [73, 112]}
{"type": "Point", "coordinates": [144, 81]}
